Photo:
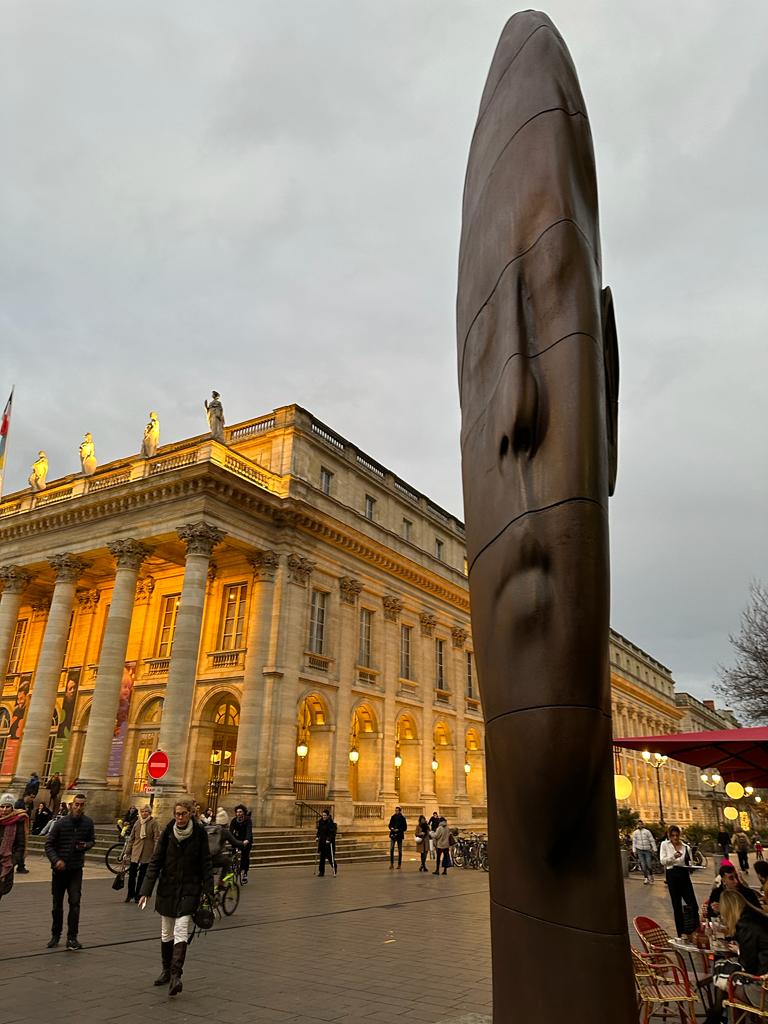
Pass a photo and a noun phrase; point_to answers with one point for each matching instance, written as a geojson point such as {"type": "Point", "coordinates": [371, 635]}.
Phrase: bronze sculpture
{"type": "Point", "coordinates": [538, 378]}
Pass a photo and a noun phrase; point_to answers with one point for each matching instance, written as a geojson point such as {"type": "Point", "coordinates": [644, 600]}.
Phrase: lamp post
{"type": "Point", "coordinates": [713, 780]}
{"type": "Point", "coordinates": [657, 761]}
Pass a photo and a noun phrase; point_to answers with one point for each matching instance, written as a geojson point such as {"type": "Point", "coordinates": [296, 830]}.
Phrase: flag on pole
{"type": "Point", "coordinates": [4, 428]}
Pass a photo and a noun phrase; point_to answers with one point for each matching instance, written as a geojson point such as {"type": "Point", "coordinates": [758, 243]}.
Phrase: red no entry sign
{"type": "Point", "coordinates": [157, 764]}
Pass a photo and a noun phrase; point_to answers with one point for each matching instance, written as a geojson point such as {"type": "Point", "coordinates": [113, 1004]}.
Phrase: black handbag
{"type": "Point", "coordinates": [119, 881]}
{"type": "Point", "coordinates": [691, 919]}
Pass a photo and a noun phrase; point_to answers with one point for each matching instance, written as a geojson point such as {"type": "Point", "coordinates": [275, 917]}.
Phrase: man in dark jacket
{"type": "Point", "coordinates": [53, 785]}
{"type": "Point", "coordinates": [326, 842]}
{"type": "Point", "coordinates": [242, 829]}
{"type": "Point", "coordinates": [181, 865]}
{"type": "Point", "coordinates": [729, 880]}
{"type": "Point", "coordinates": [66, 845]}
{"type": "Point", "coordinates": [26, 804]}
{"type": "Point", "coordinates": [398, 826]}
{"type": "Point", "coordinates": [32, 787]}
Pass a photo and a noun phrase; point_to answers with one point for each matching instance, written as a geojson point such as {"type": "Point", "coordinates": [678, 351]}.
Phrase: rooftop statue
{"type": "Point", "coordinates": [215, 412]}
{"type": "Point", "coordinates": [88, 455]}
{"type": "Point", "coordinates": [37, 478]}
{"type": "Point", "coordinates": [538, 379]}
{"type": "Point", "coordinates": [151, 437]}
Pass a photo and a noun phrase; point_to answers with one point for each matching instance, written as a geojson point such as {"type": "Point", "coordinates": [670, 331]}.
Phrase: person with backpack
{"type": "Point", "coordinates": [221, 843]}
{"type": "Point", "coordinates": [326, 842]}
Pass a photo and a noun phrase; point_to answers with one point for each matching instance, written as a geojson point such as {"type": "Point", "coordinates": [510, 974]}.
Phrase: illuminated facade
{"type": "Point", "coordinates": [283, 616]}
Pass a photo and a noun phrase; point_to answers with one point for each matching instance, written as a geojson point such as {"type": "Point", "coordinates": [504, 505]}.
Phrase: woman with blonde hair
{"type": "Point", "coordinates": [749, 927]}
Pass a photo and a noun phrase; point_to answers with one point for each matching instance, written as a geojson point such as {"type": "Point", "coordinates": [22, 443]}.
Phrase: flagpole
{"type": "Point", "coordinates": [6, 429]}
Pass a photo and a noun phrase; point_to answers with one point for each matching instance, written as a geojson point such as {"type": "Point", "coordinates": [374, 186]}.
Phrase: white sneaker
{"type": "Point", "coordinates": [651, 879]}
{"type": "Point", "coordinates": [645, 881]}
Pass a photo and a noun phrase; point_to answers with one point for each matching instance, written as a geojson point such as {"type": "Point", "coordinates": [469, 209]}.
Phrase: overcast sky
{"type": "Point", "coordinates": [264, 198]}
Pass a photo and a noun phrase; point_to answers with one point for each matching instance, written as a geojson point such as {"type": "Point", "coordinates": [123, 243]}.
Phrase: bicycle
{"type": "Point", "coordinates": [226, 899]}
{"type": "Point", "coordinates": [117, 855]}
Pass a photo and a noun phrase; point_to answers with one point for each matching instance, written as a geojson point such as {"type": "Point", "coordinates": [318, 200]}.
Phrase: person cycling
{"type": "Point", "coordinates": [221, 843]}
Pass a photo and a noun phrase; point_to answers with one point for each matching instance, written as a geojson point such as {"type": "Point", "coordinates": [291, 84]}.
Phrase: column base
{"type": "Point", "coordinates": [102, 802]}
{"type": "Point", "coordinates": [246, 795]}
{"type": "Point", "coordinates": [279, 809]}
{"type": "Point", "coordinates": [343, 807]}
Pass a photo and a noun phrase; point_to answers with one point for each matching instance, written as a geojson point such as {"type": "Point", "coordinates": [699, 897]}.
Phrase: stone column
{"type": "Point", "coordinates": [339, 794]}
{"type": "Point", "coordinates": [200, 538]}
{"type": "Point", "coordinates": [458, 686]}
{"type": "Point", "coordinates": [392, 608]}
{"type": "Point", "coordinates": [14, 580]}
{"type": "Point", "coordinates": [428, 796]}
{"type": "Point", "coordinates": [128, 555]}
{"type": "Point", "coordinates": [246, 784]}
{"type": "Point", "coordinates": [37, 727]}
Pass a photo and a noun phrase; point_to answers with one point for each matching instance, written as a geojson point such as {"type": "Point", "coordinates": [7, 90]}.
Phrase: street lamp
{"type": "Point", "coordinates": [657, 761]}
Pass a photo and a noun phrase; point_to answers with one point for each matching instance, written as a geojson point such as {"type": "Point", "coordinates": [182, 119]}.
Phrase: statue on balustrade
{"type": "Point", "coordinates": [538, 382]}
{"type": "Point", "coordinates": [215, 412]}
{"type": "Point", "coordinates": [39, 472]}
{"type": "Point", "coordinates": [88, 455]}
{"type": "Point", "coordinates": [151, 438]}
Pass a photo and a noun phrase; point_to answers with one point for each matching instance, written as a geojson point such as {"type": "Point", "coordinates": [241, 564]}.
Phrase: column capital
{"type": "Point", "coordinates": [392, 607]}
{"type": "Point", "coordinates": [428, 623]}
{"type": "Point", "coordinates": [67, 567]}
{"type": "Point", "coordinates": [349, 587]}
{"type": "Point", "coordinates": [14, 579]}
{"type": "Point", "coordinates": [129, 554]}
{"type": "Point", "coordinates": [299, 569]}
{"type": "Point", "coordinates": [265, 565]}
{"type": "Point", "coordinates": [459, 637]}
{"type": "Point", "coordinates": [88, 599]}
{"type": "Point", "coordinates": [200, 538]}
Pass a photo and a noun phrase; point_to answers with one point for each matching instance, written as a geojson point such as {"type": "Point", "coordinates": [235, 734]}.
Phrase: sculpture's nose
{"type": "Point", "coordinates": [520, 438]}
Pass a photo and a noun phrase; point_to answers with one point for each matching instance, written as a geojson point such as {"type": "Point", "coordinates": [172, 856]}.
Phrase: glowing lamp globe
{"type": "Point", "coordinates": [435, 765]}
{"type": "Point", "coordinates": [622, 787]}
{"type": "Point", "coordinates": [735, 790]}
{"type": "Point", "coordinates": [467, 767]}
{"type": "Point", "coordinates": [398, 760]}
{"type": "Point", "coordinates": [354, 756]}
{"type": "Point", "coordinates": [302, 750]}
{"type": "Point", "coordinates": [730, 813]}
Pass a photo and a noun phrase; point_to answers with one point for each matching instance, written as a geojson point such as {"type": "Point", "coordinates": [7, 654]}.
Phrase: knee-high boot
{"type": "Point", "coordinates": [166, 952]}
{"type": "Point", "coordinates": [177, 968]}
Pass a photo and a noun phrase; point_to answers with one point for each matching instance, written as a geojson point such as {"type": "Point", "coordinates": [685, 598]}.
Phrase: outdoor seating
{"type": "Point", "coordinates": [662, 987]}
{"type": "Point", "coordinates": [740, 1009]}
{"type": "Point", "coordinates": [656, 939]}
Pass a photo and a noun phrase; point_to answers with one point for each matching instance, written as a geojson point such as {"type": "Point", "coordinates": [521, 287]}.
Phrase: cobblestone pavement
{"type": "Point", "coordinates": [370, 945]}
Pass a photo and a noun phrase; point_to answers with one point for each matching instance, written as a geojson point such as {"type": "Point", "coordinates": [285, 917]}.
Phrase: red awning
{"type": "Point", "coordinates": [739, 755]}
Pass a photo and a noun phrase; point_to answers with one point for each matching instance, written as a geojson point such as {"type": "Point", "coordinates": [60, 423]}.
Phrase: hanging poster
{"type": "Point", "coordinates": [64, 715]}
{"type": "Point", "coordinates": [12, 716]}
{"type": "Point", "coordinates": [121, 719]}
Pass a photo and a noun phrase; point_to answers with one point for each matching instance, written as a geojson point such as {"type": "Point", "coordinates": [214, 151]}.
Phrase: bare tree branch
{"type": "Point", "coordinates": [745, 683]}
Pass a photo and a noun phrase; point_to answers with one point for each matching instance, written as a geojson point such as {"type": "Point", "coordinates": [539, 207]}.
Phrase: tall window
{"type": "Point", "coordinates": [170, 609]}
{"type": "Point", "coordinates": [407, 529]}
{"type": "Point", "coordinates": [325, 480]}
{"type": "Point", "coordinates": [406, 637]}
{"type": "Point", "coordinates": [439, 548]}
{"type": "Point", "coordinates": [370, 506]}
{"type": "Point", "coordinates": [17, 646]}
{"type": "Point", "coordinates": [317, 612]}
{"type": "Point", "coordinates": [470, 677]}
{"type": "Point", "coordinates": [440, 664]}
{"type": "Point", "coordinates": [366, 636]}
{"type": "Point", "coordinates": [232, 617]}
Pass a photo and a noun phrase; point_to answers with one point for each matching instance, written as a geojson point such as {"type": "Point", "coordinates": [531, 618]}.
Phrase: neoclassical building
{"type": "Point", "coordinates": [280, 614]}
{"type": "Point", "coordinates": [699, 716]}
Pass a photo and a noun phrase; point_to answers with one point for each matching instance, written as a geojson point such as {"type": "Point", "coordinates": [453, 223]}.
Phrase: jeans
{"type": "Point", "coordinates": [645, 860]}
{"type": "Point", "coordinates": [71, 883]}
{"type": "Point", "coordinates": [399, 842]}
{"type": "Point", "coordinates": [743, 856]}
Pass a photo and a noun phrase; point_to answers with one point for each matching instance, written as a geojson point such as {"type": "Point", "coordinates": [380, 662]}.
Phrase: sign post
{"type": "Point", "coordinates": [157, 766]}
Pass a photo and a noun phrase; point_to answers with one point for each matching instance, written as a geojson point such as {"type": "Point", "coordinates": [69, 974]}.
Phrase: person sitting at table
{"type": "Point", "coordinates": [761, 870]}
{"type": "Point", "coordinates": [749, 927]}
{"type": "Point", "coordinates": [675, 855]}
{"type": "Point", "coordinates": [729, 882]}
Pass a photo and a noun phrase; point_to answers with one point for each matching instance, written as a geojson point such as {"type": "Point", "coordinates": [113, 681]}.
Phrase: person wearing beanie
{"type": "Point", "coordinates": [13, 840]}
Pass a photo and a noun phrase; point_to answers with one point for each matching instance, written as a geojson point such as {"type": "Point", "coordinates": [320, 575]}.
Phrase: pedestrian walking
{"type": "Point", "coordinates": [741, 842]}
{"type": "Point", "coordinates": [675, 855]}
{"type": "Point", "coordinates": [181, 867]}
{"type": "Point", "coordinates": [14, 825]}
{"type": "Point", "coordinates": [422, 841]}
{"type": "Point", "coordinates": [66, 846]}
{"type": "Point", "coordinates": [326, 842]}
{"type": "Point", "coordinates": [241, 828]}
{"type": "Point", "coordinates": [443, 845]}
{"type": "Point", "coordinates": [398, 826]}
{"type": "Point", "coordinates": [143, 840]}
{"type": "Point", "coordinates": [53, 785]}
{"type": "Point", "coordinates": [26, 804]}
{"type": "Point", "coordinates": [724, 842]}
{"type": "Point", "coordinates": [757, 846]}
{"type": "Point", "coordinates": [644, 847]}
{"type": "Point", "coordinates": [32, 787]}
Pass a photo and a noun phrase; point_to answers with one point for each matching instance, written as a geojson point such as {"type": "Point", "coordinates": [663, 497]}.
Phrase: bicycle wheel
{"type": "Point", "coordinates": [230, 898]}
{"type": "Point", "coordinates": [457, 855]}
{"type": "Point", "coordinates": [700, 860]}
{"type": "Point", "coordinates": [484, 860]}
{"type": "Point", "coordinates": [113, 858]}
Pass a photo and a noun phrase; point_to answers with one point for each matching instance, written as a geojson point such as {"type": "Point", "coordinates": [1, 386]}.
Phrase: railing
{"type": "Point", "coordinates": [10, 510]}
{"type": "Point", "coordinates": [157, 666]}
{"type": "Point", "coordinates": [259, 427]}
{"type": "Point", "coordinates": [317, 662]}
{"type": "Point", "coordinates": [366, 677]}
{"type": "Point", "coordinates": [309, 789]}
{"type": "Point", "coordinates": [174, 462]}
{"type": "Point", "coordinates": [438, 513]}
{"type": "Point", "coordinates": [371, 466]}
{"type": "Point", "coordinates": [53, 496]}
{"type": "Point", "coordinates": [472, 704]}
{"type": "Point", "coordinates": [327, 435]}
{"type": "Point", "coordinates": [449, 810]}
{"type": "Point", "coordinates": [479, 813]}
{"type": "Point", "coordinates": [407, 689]}
{"type": "Point", "coordinates": [412, 810]}
{"type": "Point", "coordinates": [442, 696]}
{"type": "Point", "coordinates": [100, 483]}
{"type": "Point", "coordinates": [227, 659]}
{"type": "Point", "coordinates": [235, 465]}
{"type": "Point", "coordinates": [368, 812]}
{"type": "Point", "coordinates": [406, 491]}
{"type": "Point", "coordinates": [309, 812]}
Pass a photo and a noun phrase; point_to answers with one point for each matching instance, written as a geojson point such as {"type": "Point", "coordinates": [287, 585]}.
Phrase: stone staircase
{"type": "Point", "coordinates": [272, 847]}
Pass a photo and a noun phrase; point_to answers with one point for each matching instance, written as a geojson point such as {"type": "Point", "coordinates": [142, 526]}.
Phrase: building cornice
{"type": "Point", "coordinates": [623, 685]}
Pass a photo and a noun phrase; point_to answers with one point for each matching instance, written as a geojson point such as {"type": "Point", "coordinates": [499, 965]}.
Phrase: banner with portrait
{"type": "Point", "coordinates": [121, 719]}
{"type": "Point", "coordinates": [13, 712]}
{"type": "Point", "coordinates": [64, 717]}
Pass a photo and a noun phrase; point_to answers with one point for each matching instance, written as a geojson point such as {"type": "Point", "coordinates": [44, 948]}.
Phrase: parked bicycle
{"type": "Point", "coordinates": [116, 856]}
{"type": "Point", "coordinates": [470, 851]}
{"type": "Point", "coordinates": [227, 894]}
{"type": "Point", "coordinates": [656, 866]}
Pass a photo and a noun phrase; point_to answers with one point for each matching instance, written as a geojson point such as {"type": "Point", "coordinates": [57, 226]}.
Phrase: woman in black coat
{"type": "Point", "coordinates": [181, 865]}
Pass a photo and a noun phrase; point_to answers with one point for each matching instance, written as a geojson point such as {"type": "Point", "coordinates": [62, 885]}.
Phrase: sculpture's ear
{"type": "Point", "coordinates": [611, 367]}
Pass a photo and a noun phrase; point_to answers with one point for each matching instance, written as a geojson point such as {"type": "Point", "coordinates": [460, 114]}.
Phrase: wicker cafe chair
{"type": "Point", "coordinates": [740, 1010]}
{"type": "Point", "coordinates": [656, 939]}
{"type": "Point", "coordinates": [662, 987]}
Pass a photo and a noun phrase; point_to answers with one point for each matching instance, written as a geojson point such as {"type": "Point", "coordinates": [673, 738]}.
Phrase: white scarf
{"type": "Point", "coordinates": [143, 828]}
{"type": "Point", "coordinates": [182, 833]}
